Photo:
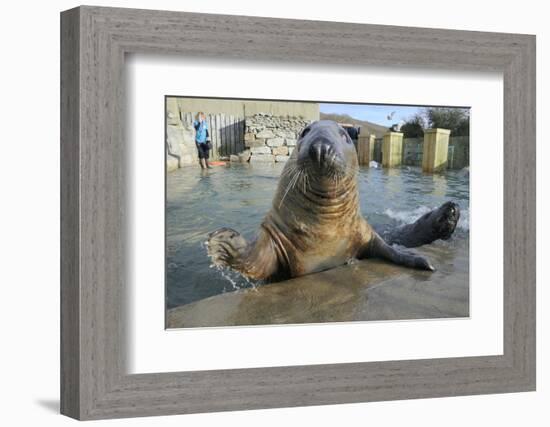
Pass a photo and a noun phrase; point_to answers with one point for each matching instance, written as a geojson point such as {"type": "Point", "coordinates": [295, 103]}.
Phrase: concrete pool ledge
{"type": "Point", "coordinates": [360, 291]}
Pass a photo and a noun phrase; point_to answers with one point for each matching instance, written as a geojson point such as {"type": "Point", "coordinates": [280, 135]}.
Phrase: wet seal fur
{"type": "Point", "coordinates": [315, 222]}
{"type": "Point", "coordinates": [434, 225]}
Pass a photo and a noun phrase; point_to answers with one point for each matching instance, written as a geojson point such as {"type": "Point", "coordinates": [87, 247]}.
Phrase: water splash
{"type": "Point", "coordinates": [373, 164]}
{"type": "Point", "coordinates": [235, 279]}
{"type": "Point", "coordinates": [464, 221]}
{"type": "Point", "coordinates": [406, 217]}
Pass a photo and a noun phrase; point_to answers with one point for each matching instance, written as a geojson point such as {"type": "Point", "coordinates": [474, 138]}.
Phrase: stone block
{"type": "Point", "coordinates": [244, 156]}
{"type": "Point", "coordinates": [275, 142]}
{"type": "Point", "coordinates": [256, 143]}
{"type": "Point", "coordinates": [266, 134]}
{"type": "Point", "coordinates": [262, 158]}
{"type": "Point", "coordinates": [285, 134]}
{"type": "Point", "coordinates": [280, 151]}
{"type": "Point", "coordinates": [260, 150]}
{"type": "Point", "coordinates": [291, 142]}
{"type": "Point", "coordinates": [281, 159]}
{"type": "Point", "coordinates": [248, 137]}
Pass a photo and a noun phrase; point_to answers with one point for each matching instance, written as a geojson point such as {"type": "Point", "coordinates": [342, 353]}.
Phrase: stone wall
{"type": "Point", "coordinates": [271, 138]}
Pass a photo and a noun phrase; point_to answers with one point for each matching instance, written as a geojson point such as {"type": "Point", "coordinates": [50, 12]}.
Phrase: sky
{"type": "Point", "coordinates": [373, 113]}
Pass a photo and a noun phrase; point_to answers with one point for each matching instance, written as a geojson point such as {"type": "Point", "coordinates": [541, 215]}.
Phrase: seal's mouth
{"type": "Point", "coordinates": [449, 214]}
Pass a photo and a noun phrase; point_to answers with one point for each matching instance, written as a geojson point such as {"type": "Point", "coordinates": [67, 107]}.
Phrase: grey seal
{"type": "Point", "coordinates": [315, 222]}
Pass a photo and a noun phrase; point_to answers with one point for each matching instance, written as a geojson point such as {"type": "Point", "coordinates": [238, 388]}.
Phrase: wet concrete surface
{"type": "Point", "coordinates": [363, 290]}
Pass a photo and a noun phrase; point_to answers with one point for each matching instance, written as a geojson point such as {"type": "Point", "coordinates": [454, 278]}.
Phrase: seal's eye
{"type": "Point", "coordinates": [305, 132]}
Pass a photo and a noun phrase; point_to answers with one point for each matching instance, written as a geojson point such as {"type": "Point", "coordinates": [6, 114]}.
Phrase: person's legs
{"type": "Point", "coordinates": [206, 156]}
{"type": "Point", "coordinates": [200, 152]}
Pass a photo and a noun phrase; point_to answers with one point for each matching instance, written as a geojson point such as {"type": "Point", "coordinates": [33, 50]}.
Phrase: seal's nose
{"type": "Point", "coordinates": [319, 151]}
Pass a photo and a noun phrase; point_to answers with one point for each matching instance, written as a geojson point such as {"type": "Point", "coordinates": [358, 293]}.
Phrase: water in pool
{"type": "Point", "coordinates": [238, 196]}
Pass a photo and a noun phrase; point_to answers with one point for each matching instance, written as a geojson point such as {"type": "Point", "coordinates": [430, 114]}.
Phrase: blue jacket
{"type": "Point", "coordinates": [201, 129]}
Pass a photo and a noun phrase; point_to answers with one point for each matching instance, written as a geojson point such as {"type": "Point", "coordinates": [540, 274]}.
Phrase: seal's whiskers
{"type": "Point", "coordinates": [291, 183]}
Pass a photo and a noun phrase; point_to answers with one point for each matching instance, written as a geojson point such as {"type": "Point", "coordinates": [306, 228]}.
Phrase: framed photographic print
{"type": "Point", "coordinates": [305, 178]}
{"type": "Point", "coordinates": [292, 213]}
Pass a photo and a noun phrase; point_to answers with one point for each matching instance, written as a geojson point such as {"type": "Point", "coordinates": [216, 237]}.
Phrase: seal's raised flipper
{"type": "Point", "coordinates": [228, 248]}
{"type": "Point", "coordinates": [378, 248]}
{"type": "Point", "coordinates": [434, 225]}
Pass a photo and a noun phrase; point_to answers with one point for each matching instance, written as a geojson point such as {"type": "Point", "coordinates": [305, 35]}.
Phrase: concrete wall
{"type": "Point", "coordinates": [244, 108]}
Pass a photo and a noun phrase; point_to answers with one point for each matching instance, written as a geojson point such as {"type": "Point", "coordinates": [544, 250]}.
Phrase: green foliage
{"type": "Point", "coordinates": [413, 127]}
{"type": "Point", "coordinates": [457, 120]}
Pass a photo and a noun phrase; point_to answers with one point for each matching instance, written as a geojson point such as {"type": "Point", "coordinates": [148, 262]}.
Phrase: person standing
{"type": "Point", "coordinates": [353, 133]}
{"type": "Point", "coordinates": [201, 139]}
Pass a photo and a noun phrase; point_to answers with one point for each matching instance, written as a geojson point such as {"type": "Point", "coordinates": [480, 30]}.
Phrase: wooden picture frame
{"type": "Point", "coordinates": [94, 382]}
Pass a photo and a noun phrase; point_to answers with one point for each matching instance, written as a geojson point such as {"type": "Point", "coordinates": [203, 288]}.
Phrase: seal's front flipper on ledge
{"type": "Point", "coordinates": [378, 248]}
{"type": "Point", "coordinates": [227, 248]}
